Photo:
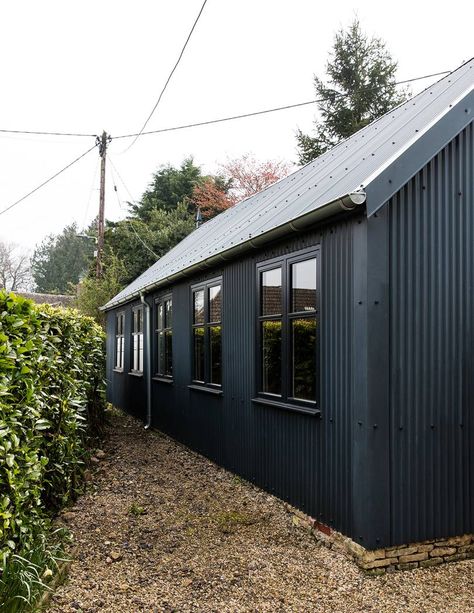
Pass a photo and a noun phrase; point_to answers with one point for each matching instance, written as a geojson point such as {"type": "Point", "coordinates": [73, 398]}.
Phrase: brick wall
{"type": "Point", "coordinates": [379, 561]}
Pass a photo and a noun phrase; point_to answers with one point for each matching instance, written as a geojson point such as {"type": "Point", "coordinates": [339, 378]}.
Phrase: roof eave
{"type": "Point", "coordinates": [346, 203]}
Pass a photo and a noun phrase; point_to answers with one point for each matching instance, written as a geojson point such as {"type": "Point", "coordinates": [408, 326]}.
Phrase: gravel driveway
{"type": "Point", "coordinates": [164, 529]}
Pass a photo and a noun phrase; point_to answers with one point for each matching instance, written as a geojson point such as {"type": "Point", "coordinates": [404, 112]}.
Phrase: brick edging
{"type": "Point", "coordinates": [388, 559]}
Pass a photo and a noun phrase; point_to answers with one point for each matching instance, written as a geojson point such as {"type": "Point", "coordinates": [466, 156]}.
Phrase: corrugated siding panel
{"type": "Point", "coordinates": [305, 460]}
{"type": "Point", "coordinates": [432, 347]}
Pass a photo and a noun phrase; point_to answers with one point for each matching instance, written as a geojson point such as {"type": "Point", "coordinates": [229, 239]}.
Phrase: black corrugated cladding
{"type": "Point", "coordinates": [389, 461]}
{"type": "Point", "coordinates": [124, 390]}
{"type": "Point", "coordinates": [303, 459]}
{"type": "Point", "coordinates": [431, 223]}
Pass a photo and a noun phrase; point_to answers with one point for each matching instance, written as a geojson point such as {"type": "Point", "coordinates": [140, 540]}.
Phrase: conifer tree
{"type": "Point", "coordinates": [360, 88]}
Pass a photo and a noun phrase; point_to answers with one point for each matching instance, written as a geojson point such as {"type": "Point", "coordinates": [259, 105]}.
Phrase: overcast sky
{"type": "Point", "coordinates": [90, 66]}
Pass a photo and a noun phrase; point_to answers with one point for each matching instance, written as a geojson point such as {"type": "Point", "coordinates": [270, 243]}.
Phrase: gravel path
{"type": "Point", "coordinates": [164, 529]}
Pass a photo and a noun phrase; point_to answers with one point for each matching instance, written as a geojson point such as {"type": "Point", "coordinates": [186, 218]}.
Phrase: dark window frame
{"type": "Point", "coordinates": [205, 286]}
{"type": "Point", "coordinates": [286, 400]}
{"type": "Point", "coordinates": [119, 335]}
{"type": "Point", "coordinates": [140, 334]}
{"type": "Point", "coordinates": [158, 369]}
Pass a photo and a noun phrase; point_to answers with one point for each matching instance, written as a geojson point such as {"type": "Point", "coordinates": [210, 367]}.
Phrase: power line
{"type": "Point", "coordinates": [137, 136]}
{"type": "Point", "coordinates": [38, 132]}
{"type": "Point", "coordinates": [202, 123]}
{"type": "Point", "coordinates": [91, 191]}
{"type": "Point", "coordinates": [263, 112]}
{"type": "Point", "coordinates": [47, 181]}
{"type": "Point", "coordinates": [132, 221]}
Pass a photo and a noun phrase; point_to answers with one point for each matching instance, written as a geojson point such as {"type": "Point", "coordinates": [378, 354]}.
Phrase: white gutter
{"type": "Point", "coordinates": [346, 203]}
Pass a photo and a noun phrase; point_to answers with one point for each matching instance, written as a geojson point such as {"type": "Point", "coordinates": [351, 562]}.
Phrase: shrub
{"type": "Point", "coordinates": [51, 401]}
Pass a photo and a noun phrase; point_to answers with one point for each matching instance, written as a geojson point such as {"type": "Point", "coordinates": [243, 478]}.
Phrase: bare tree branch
{"type": "Point", "coordinates": [15, 271]}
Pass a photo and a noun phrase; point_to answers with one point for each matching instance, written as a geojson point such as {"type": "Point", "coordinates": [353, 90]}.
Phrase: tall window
{"type": "Point", "coordinates": [207, 333]}
{"type": "Point", "coordinates": [164, 337]}
{"type": "Point", "coordinates": [137, 340]}
{"type": "Point", "coordinates": [288, 324]}
{"type": "Point", "coordinates": [119, 340]}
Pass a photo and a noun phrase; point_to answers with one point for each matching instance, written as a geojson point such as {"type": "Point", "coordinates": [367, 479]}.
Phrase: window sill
{"type": "Point", "coordinates": [287, 406]}
{"type": "Point", "coordinates": [206, 390]}
{"type": "Point", "coordinates": [136, 374]}
{"type": "Point", "coordinates": [163, 379]}
{"type": "Point", "coordinates": [117, 370]}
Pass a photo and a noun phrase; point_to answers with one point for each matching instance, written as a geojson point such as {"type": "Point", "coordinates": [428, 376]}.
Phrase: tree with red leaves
{"type": "Point", "coordinates": [247, 175]}
{"type": "Point", "coordinates": [210, 197]}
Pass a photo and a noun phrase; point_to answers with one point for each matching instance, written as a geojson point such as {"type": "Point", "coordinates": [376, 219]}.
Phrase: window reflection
{"type": "Point", "coordinates": [303, 286]}
{"type": "Point", "coordinates": [304, 358]}
{"type": "Point", "coordinates": [168, 353]}
{"type": "Point", "coordinates": [198, 298]}
{"type": "Point", "coordinates": [271, 357]}
{"type": "Point", "coordinates": [215, 296]}
{"type": "Point", "coordinates": [198, 338]}
{"type": "Point", "coordinates": [168, 314]}
{"type": "Point", "coordinates": [216, 354]}
{"type": "Point", "coordinates": [271, 292]}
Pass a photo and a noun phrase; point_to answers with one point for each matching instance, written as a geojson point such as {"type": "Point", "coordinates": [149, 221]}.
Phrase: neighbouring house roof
{"type": "Point", "coordinates": [295, 201]}
{"type": "Point", "coordinates": [52, 299]}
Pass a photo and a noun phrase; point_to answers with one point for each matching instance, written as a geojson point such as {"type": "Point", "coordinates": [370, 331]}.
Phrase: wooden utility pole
{"type": "Point", "coordinates": [102, 142]}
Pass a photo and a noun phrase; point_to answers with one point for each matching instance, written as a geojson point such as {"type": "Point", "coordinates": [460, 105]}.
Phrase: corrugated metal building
{"type": "Point", "coordinates": [318, 338]}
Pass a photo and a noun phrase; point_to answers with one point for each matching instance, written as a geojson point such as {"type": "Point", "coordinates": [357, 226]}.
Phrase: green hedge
{"type": "Point", "coordinates": [51, 395]}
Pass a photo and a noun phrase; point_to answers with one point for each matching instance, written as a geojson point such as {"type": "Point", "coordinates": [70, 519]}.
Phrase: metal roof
{"type": "Point", "coordinates": [348, 167]}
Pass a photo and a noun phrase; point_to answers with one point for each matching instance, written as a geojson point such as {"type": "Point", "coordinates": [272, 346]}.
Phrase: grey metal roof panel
{"type": "Point", "coordinates": [349, 166]}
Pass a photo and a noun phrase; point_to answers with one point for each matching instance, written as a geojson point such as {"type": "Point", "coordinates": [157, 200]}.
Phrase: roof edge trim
{"type": "Point", "coordinates": [344, 204]}
{"type": "Point", "coordinates": [418, 135]}
{"type": "Point", "coordinates": [394, 176]}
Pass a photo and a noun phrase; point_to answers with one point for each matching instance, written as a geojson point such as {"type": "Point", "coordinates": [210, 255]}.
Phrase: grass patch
{"type": "Point", "coordinates": [136, 510]}
{"type": "Point", "coordinates": [28, 575]}
{"type": "Point", "coordinates": [229, 521]}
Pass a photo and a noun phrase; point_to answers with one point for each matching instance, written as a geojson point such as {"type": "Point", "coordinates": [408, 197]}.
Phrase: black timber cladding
{"type": "Point", "coordinates": [301, 458]}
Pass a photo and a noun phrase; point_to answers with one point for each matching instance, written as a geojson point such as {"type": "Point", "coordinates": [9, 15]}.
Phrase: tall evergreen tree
{"type": "Point", "coordinates": [169, 187]}
{"type": "Point", "coordinates": [61, 260]}
{"type": "Point", "coordinates": [361, 88]}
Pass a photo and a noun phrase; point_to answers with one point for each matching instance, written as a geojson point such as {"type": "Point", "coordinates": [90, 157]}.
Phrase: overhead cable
{"type": "Point", "coordinates": [47, 133]}
{"type": "Point", "coordinates": [204, 123]}
{"type": "Point", "coordinates": [137, 136]}
{"type": "Point", "coordinates": [132, 221]}
{"type": "Point", "coordinates": [255, 113]}
{"type": "Point", "coordinates": [46, 182]}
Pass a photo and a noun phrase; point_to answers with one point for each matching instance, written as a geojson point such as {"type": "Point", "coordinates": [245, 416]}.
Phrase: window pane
{"type": "Point", "coordinates": [271, 357]}
{"type": "Point", "coordinates": [198, 334]}
{"type": "Point", "coordinates": [216, 354]}
{"type": "Point", "coordinates": [117, 352]}
{"type": "Point", "coordinates": [198, 298]}
{"type": "Point", "coordinates": [304, 358]}
{"type": "Point", "coordinates": [215, 299]}
{"type": "Point", "coordinates": [161, 353]}
{"type": "Point", "coordinates": [159, 318]}
{"type": "Point", "coordinates": [271, 292]}
{"type": "Point", "coordinates": [140, 352]}
{"type": "Point", "coordinates": [303, 286]}
{"type": "Point", "coordinates": [168, 313]}
{"type": "Point", "coordinates": [135, 352]}
{"type": "Point", "coordinates": [168, 351]}
{"type": "Point", "coordinates": [138, 320]}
